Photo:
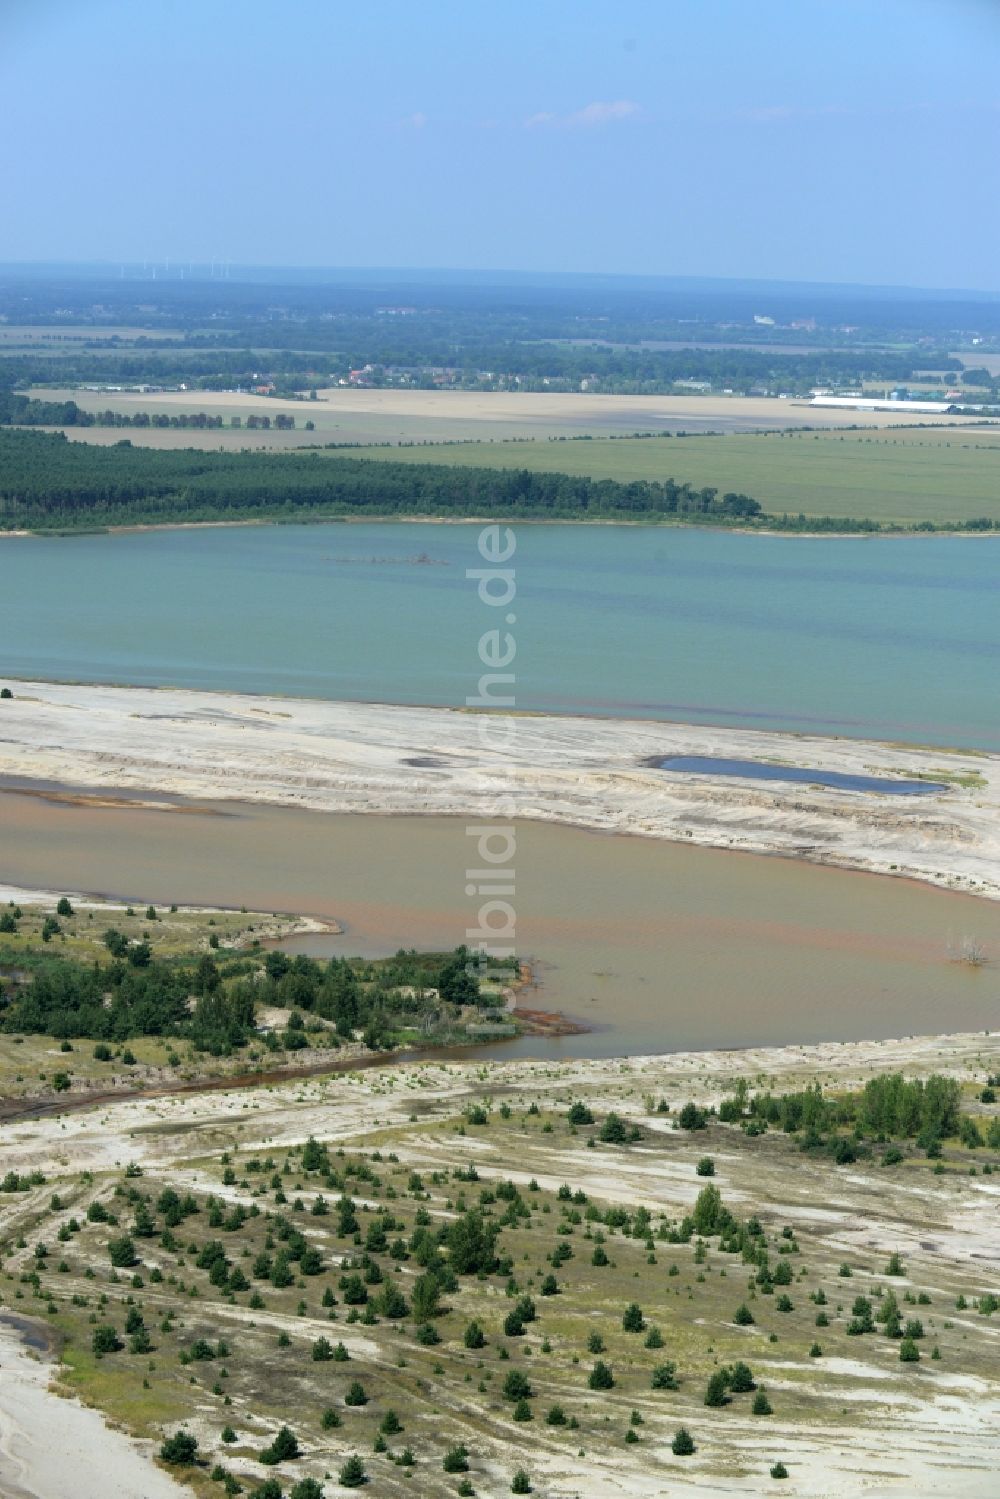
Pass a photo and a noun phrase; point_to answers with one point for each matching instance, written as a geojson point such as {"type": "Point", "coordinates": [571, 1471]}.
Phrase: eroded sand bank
{"type": "Point", "coordinates": [53, 1448]}
{"type": "Point", "coordinates": [592, 773]}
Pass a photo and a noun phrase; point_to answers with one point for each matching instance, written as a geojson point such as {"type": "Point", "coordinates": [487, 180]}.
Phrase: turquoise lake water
{"type": "Point", "coordinates": [886, 638]}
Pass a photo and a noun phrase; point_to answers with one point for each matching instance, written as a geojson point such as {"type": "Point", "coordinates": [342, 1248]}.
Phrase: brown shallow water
{"type": "Point", "coordinates": [655, 945]}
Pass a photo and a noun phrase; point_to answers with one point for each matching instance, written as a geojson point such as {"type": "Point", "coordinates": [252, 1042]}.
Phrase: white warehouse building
{"type": "Point", "coordinates": [885, 403]}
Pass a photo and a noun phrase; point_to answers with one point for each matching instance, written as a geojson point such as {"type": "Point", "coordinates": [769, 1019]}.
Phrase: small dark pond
{"type": "Point", "coordinates": [32, 1334]}
{"type": "Point", "coordinates": [757, 770]}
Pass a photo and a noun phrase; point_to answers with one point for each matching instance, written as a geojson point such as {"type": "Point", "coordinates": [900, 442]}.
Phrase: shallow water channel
{"type": "Point", "coordinates": [656, 946]}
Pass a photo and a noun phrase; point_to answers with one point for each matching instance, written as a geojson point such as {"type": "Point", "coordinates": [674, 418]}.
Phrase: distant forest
{"type": "Point", "coordinates": [625, 335]}
{"type": "Point", "coordinates": [400, 354]}
{"type": "Point", "coordinates": [48, 483]}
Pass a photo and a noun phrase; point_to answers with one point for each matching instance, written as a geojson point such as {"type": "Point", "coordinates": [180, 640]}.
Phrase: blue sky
{"type": "Point", "coordinates": [855, 140]}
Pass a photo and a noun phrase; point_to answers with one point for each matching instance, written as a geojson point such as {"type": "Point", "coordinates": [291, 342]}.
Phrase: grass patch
{"type": "Point", "coordinates": [898, 477]}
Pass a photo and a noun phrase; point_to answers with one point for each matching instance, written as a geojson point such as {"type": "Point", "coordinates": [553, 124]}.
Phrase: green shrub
{"type": "Point", "coordinates": [105, 1340]}
{"type": "Point", "coordinates": [181, 1448]}
{"type": "Point", "coordinates": [632, 1319]}
{"type": "Point", "coordinates": [614, 1130]}
{"type": "Point", "coordinates": [474, 1337]}
{"type": "Point", "coordinates": [664, 1377]}
{"type": "Point", "coordinates": [284, 1447]}
{"type": "Point", "coordinates": [352, 1474]}
{"type": "Point", "coordinates": [307, 1488]}
{"type": "Point", "coordinates": [122, 1252]}
{"type": "Point", "coordinates": [517, 1386]}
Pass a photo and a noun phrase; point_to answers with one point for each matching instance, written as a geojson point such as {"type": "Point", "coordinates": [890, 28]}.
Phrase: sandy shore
{"type": "Point", "coordinates": [266, 927]}
{"type": "Point", "coordinates": [357, 757]}
{"type": "Point", "coordinates": [53, 1448]}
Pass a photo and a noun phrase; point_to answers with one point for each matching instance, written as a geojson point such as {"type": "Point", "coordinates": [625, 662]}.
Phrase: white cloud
{"type": "Point", "coordinates": [600, 112]}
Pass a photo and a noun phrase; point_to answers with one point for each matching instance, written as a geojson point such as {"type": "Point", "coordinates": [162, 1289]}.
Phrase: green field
{"type": "Point", "coordinates": [902, 477]}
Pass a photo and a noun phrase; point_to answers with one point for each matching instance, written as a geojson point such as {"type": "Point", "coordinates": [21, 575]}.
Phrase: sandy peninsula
{"type": "Point", "coordinates": [592, 773]}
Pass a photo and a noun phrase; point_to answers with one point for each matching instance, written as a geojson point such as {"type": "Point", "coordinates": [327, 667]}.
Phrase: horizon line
{"type": "Point", "coordinates": [201, 268]}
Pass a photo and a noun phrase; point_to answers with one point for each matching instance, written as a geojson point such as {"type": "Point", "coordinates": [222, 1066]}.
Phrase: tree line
{"type": "Point", "coordinates": [24, 411]}
{"type": "Point", "coordinates": [48, 482]}
{"type": "Point", "coordinates": [890, 1107]}
{"type": "Point", "coordinates": [531, 360]}
{"type": "Point", "coordinates": [213, 1003]}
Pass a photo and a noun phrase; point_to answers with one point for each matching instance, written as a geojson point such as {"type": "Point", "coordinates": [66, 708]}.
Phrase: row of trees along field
{"type": "Point", "coordinates": [23, 411]}
{"type": "Point", "coordinates": [49, 482]}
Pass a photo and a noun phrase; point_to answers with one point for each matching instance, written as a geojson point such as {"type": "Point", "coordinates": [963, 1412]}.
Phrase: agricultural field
{"type": "Point", "coordinates": [343, 415]}
{"type": "Point", "coordinates": [901, 476]}
{"type": "Point", "coordinates": [569, 1280]}
{"type": "Point", "coordinates": [69, 338]}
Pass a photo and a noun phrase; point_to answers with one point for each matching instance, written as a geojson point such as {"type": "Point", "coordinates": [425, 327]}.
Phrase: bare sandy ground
{"type": "Point", "coordinates": [341, 1106]}
{"type": "Point", "coordinates": [358, 757]}
{"type": "Point", "coordinates": [265, 927]}
{"type": "Point", "coordinates": [349, 415]}
{"type": "Point", "coordinates": [53, 1448]}
{"type": "Point", "coordinates": [936, 1436]}
{"type": "Point", "coordinates": [750, 411]}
